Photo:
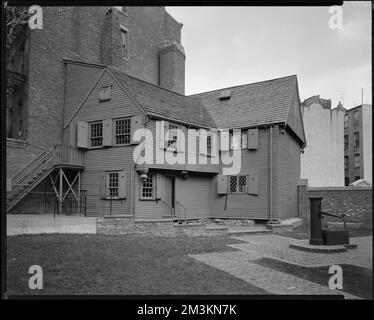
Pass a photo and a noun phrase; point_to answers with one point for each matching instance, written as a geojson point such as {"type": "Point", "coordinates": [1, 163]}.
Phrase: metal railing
{"type": "Point", "coordinates": [172, 210]}
{"type": "Point", "coordinates": [184, 208]}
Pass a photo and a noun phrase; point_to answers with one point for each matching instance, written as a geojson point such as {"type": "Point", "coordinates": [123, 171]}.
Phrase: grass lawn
{"type": "Point", "coordinates": [356, 280]}
{"type": "Point", "coordinates": [103, 264]}
{"type": "Point", "coordinates": [303, 232]}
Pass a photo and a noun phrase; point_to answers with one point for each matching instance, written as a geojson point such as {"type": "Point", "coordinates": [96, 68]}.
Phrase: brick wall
{"type": "Point", "coordinates": [355, 202]}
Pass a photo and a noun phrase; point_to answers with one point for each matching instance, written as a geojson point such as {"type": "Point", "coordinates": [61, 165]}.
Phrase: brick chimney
{"type": "Point", "coordinates": [172, 66]}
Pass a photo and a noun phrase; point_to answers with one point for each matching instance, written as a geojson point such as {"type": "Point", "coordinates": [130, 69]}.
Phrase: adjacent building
{"type": "Point", "coordinates": [322, 161]}
{"type": "Point", "coordinates": [358, 144]}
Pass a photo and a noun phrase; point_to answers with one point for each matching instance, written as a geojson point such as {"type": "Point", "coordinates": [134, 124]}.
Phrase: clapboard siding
{"type": "Point", "coordinates": [289, 176]}
{"type": "Point", "coordinates": [79, 80]}
{"type": "Point", "coordinates": [194, 194]}
{"type": "Point", "coordinates": [246, 205]}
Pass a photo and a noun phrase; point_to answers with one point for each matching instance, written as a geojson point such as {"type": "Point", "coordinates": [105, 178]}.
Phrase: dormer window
{"type": "Point", "coordinates": [225, 95]}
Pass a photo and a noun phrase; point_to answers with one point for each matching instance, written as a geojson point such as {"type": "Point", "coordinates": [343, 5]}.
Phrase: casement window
{"type": "Point", "coordinates": [346, 163]}
{"type": "Point", "coordinates": [209, 145]}
{"type": "Point", "coordinates": [122, 131]}
{"type": "Point", "coordinates": [147, 187]}
{"type": "Point", "coordinates": [96, 134]}
{"type": "Point", "coordinates": [125, 43]}
{"type": "Point", "coordinates": [172, 139]}
{"type": "Point", "coordinates": [357, 160]}
{"type": "Point", "coordinates": [238, 184]}
{"type": "Point", "coordinates": [113, 184]}
{"type": "Point", "coordinates": [346, 145]}
{"type": "Point", "coordinates": [356, 139]}
{"type": "Point", "coordinates": [346, 121]}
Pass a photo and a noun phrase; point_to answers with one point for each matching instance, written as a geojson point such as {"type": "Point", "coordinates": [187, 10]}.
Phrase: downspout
{"type": "Point", "coordinates": [271, 175]}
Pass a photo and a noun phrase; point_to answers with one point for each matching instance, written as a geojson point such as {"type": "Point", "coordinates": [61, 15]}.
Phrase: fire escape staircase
{"type": "Point", "coordinates": [39, 168]}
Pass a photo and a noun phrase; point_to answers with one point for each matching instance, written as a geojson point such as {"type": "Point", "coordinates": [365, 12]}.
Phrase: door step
{"type": "Point", "coordinates": [239, 231]}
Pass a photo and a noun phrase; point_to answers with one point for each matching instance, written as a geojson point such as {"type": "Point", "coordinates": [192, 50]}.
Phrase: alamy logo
{"type": "Point", "coordinates": [176, 146]}
{"type": "Point", "coordinates": [336, 280]}
{"type": "Point", "coordinates": [336, 19]}
{"type": "Point", "coordinates": [36, 280]}
{"type": "Point", "coordinates": [36, 17]}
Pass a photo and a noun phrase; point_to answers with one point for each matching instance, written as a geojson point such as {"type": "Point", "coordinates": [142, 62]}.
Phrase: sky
{"type": "Point", "coordinates": [228, 46]}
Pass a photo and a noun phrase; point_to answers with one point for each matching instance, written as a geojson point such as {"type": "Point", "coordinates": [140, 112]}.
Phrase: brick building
{"type": "Point", "coordinates": [358, 144]}
{"type": "Point", "coordinates": [322, 162]}
{"type": "Point", "coordinates": [86, 102]}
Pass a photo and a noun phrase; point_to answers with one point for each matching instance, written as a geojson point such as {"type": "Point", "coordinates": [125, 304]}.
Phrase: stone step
{"type": "Point", "coordinates": [248, 231]}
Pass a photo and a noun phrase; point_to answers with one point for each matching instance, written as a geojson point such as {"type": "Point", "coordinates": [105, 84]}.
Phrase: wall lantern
{"type": "Point", "coordinates": [184, 174]}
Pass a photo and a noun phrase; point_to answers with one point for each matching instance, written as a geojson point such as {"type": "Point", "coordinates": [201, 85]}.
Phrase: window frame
{"type": "Point", "coordinates": [346, 163]}
{"type": "Point", "coordinates": [151, 176]}
{"type": "Point", "coordinates": [174, 145]}
{"type": "Point", "coordinates": [108, 184]}
{"type": "Point", "coordinates": [125, 44]}
{"type": "Point", "coordinates": [346, 119]}
{"type": "Point", "coordinates": [115, 134]}
{"type": "Point", "coordinates": [356, 160]}
{"type": "Point", "coordinates": [346, 143]}
{"type": "Point", "coordinates": [356, 134]}
{"type": "Point", "coordinates": [237, 184]}
{"type": "Point", "coordinates": [98, 137]}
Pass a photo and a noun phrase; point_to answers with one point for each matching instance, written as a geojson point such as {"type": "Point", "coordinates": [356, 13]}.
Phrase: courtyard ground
{"type": "Point", "coordinates": [127, 265]}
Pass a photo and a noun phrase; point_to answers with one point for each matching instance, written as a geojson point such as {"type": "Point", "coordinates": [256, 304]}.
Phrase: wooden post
{"type": "Point", "coordinates": [79, 191]}
{"type": "Point", "coordinates": [60, 193]}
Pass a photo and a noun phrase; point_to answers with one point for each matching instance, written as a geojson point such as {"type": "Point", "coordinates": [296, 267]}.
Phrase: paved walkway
{"type": "Point", "coordinates": [36, 224]}
{"type": "Point", "coordinates": [241, 264]}
{"type": "Point", "coordinates": [277, 247]}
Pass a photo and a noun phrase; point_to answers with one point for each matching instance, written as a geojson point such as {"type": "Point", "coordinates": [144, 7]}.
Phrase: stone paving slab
{"type": "Point", "coordinates": [277, 247]}
{"type": "Point", "coordinates": [240, 265]}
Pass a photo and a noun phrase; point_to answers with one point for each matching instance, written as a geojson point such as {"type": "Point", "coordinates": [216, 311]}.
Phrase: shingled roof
{"type": "Point", "coordinates": [165, 103]}
{"type": "Point", "coordinates": [251, 104]}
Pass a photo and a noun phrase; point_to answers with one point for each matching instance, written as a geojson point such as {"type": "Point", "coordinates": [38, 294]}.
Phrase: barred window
{"type": "Point", "coordinates": [238, 184]}
{"type": "Point", "coordinates": [113, 184]}
{"type": "Point", "coordinates": [173, 137]}
{"type": "Point", "coordinates": [122, 131]}
{"type": "Point", "coordinates": [96, 134]}
{"type": "Point", "coordinates": [147, 187]}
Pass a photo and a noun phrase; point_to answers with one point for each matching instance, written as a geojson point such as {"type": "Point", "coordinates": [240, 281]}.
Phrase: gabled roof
{"type": "Point", "coordinates": [251, 104]}
{"type": "Point", "coordinates": [163, 102]}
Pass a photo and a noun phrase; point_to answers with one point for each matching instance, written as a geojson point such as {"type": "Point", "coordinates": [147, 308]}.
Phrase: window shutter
{"type": "Point", "coordinates": [136, 123]}
{"type": "Point", "coordinates": [103, 183]}
{"type": "Point", "coordinates": [122, 185]}
{"type": "Point", "coordinates": [244, 139]}
{"type": "Point", "coordinates": [82, 134]}
{"type": "Point", "coordinates": [158, 185]}
{"type": "Point", "coordinates": [203, 136]}
{"type": "Point", "coordinates": [161, 133]}
{"type": "Point", "coordinates": [253, 184]}
{"type": "Point", "coordinates": [225, 140]}
{"type": "Point", "coordinates": [222, 184]}
{"type": "Point", "coordinates": [182, 131]}
{"type": "Point", "coordinates": [107, 132]}
{"type": "Point", "coordinates": [253, 138]}
{"type": "Point", "coordinates": [73, 134]}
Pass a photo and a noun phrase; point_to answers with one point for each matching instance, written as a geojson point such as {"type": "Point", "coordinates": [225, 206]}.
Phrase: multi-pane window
{"type": "Point", "coordinates": [346, 163]}
{"type": "Point", "coordinates": [355, 115]}
{"type": "Point", "coordinates": [147, 187]}
{"type": "Point", "coordinates": [173, 137]}
{"type": "Point", "coordinates": [122, 131]}
{"type": "Point", "coordinates": [356, 139]}
{"type": "Point", "coordinates": [345, 142]}
{"type": "Point", "coordinates": [357, 160]}
{"type": "Point", "coordinates": [125, 43]}
{"type": "Point", "coordinates": [209, 145]}
{"type": "Point", "coordinates": [113, 184]}
{"type": "Point", "coordinates": [238, 184]}
{"type": "Point", "coordinates": [96, 135]}
{"type": "Point", "coordinates": [346, 121]}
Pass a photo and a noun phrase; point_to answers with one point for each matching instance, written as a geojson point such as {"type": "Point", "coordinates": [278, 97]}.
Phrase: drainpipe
{"type": "Point", "coordinates": [271, 175]}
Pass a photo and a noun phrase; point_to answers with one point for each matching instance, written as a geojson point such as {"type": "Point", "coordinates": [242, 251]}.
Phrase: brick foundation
{"type": "Point", "coordinates": [127, 225]}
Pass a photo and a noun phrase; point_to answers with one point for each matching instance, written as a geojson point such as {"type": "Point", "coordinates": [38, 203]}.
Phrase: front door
{"type": "Point", "coordinates": [169, 194]}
